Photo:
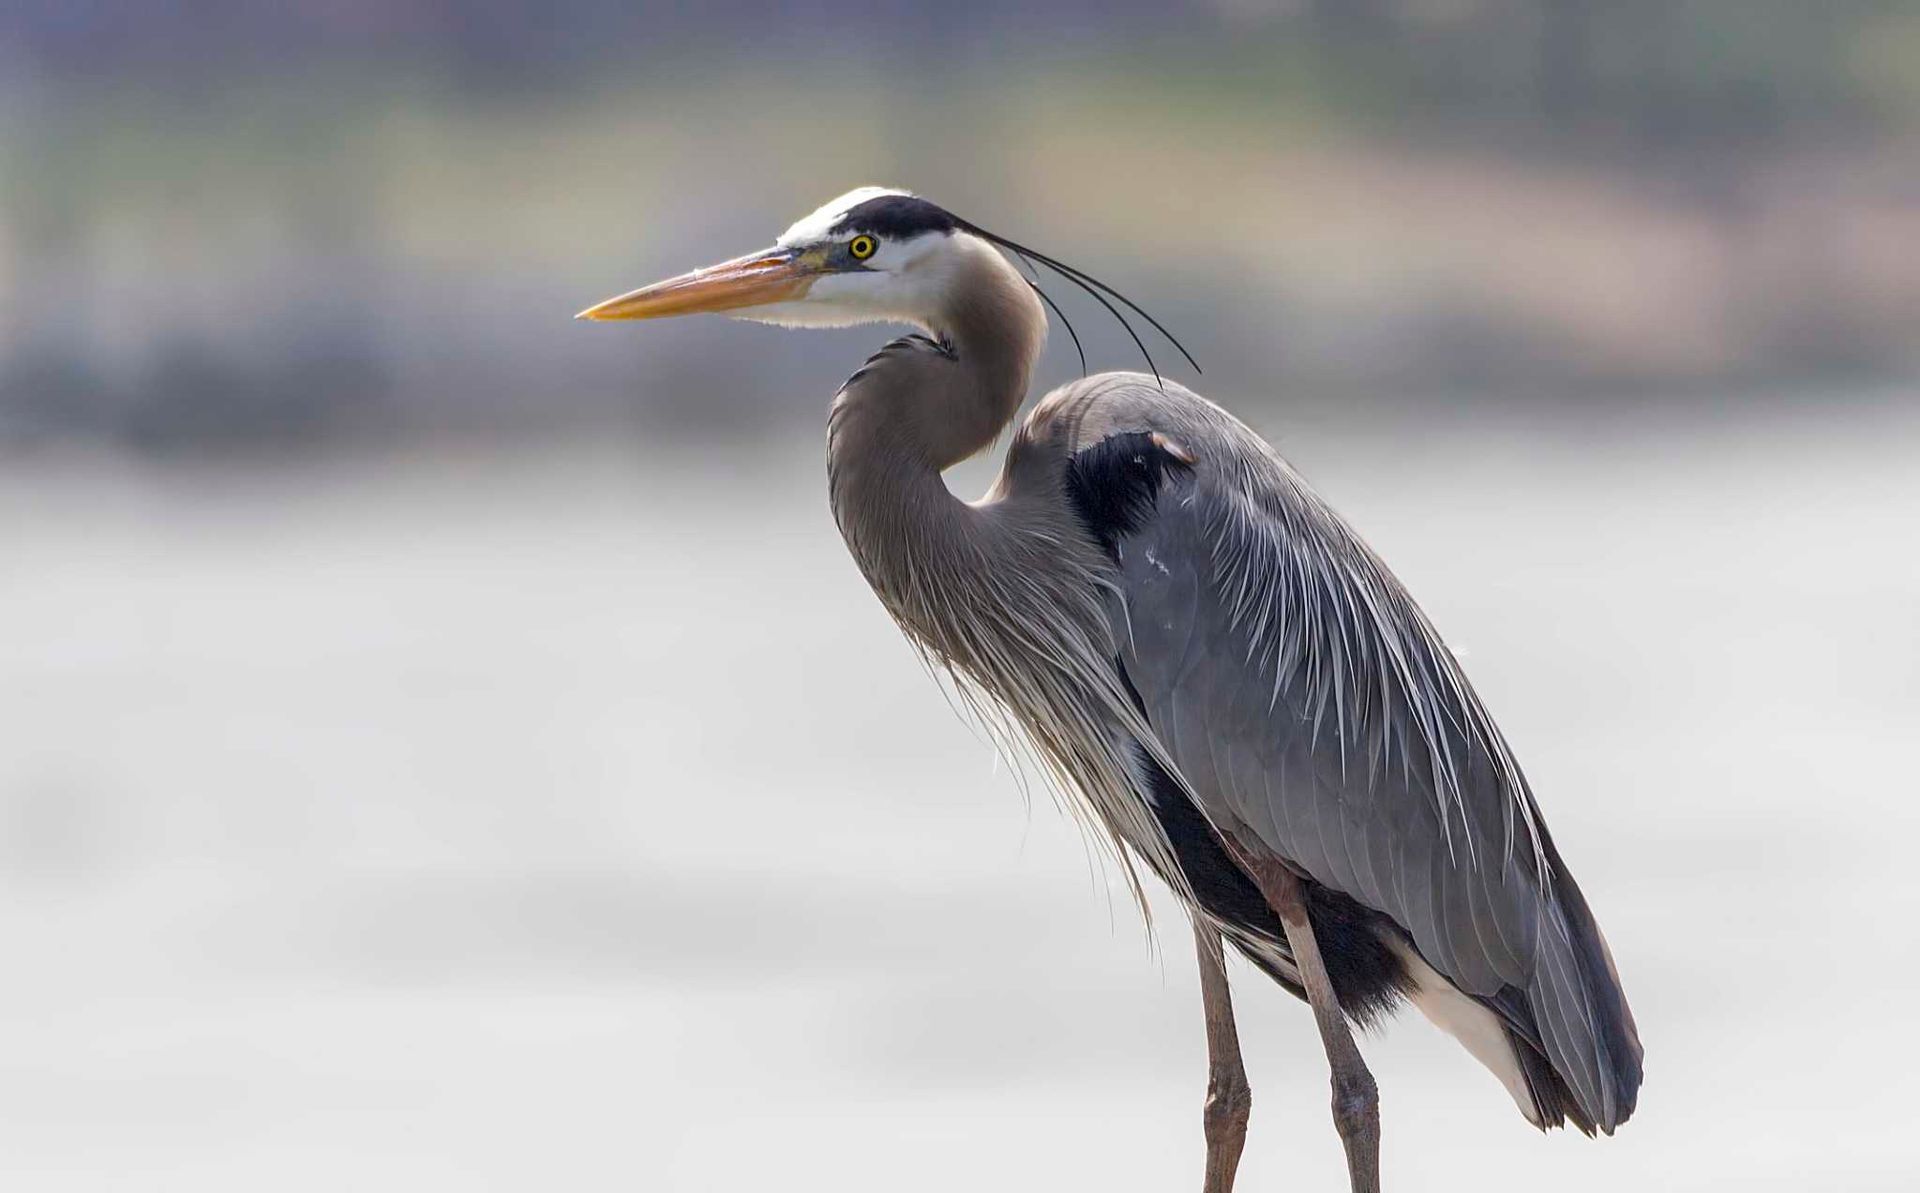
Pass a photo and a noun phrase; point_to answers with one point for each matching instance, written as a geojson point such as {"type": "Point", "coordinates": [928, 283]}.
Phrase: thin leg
{"type": "Point", "coordinates": [1356, 1099]}
{"type": "Point", "coordinates": [1229, 1100]}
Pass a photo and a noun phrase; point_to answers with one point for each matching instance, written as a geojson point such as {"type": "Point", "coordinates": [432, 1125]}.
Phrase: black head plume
{"type": "Point", "coordinates": [1092, 285]}
{"type": "Point", "coordinates": [1033, 280]}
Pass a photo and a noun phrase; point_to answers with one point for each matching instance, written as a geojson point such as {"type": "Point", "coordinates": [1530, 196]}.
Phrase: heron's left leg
{"type": "Point", "coordinates": [1229, 1100]}
{"type": "Point", "coordinates": [1356, 1098]}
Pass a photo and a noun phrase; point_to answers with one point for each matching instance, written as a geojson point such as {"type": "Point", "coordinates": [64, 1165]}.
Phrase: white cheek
{"type": "Point", "coordinates": [845, 289]}
{"type": "Point", "coordinates": [903, 257]}
{"type": "Point", "coordinates": [836, 300]}
{"type": "Point", "coordinates": [913, 275]}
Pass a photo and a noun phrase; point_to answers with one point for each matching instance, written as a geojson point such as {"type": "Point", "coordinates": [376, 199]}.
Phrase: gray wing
{"type": "Point", "coordinates": [1313, 710]}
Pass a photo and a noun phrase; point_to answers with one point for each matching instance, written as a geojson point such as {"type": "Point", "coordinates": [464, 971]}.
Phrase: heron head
{"type": "Point", "coordinates": [876, 255]}
{"type": "Point", "coordinates": [873, 255]}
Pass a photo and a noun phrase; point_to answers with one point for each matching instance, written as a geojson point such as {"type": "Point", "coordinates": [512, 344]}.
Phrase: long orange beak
{"type": "Point", "coordinates": [773, 275]}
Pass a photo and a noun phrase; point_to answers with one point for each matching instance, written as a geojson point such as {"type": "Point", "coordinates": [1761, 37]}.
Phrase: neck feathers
{"type": "Point", "coordinates": [996, 327]}
{"type": "Point", "coordinates": [940, 403]}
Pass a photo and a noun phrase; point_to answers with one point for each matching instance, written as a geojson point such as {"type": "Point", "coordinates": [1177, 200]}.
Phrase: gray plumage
{"type": "Point", "coordinates": [1211, 668]}
{"type": "Point", "coordinates": [1290, 682]}
{"type": "Point", "coordinates": [1314, 711]}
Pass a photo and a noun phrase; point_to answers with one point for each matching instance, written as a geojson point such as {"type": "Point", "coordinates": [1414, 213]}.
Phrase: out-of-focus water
{"type": "Point", "coordinates": [576, 820]}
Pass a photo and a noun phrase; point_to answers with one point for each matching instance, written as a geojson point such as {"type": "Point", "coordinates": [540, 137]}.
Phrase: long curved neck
{"type": "Point", "coordinates": [915, 411]}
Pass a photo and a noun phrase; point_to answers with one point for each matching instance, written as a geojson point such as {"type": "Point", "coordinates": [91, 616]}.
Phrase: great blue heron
{"type": "Point", "coordinates": [1208, 663]}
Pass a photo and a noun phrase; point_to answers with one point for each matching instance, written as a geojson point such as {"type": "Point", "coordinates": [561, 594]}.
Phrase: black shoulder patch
{"type": "Point", "coordinates": [1113, 484]}
{"type": "Point", "coordinates": [896, 217]}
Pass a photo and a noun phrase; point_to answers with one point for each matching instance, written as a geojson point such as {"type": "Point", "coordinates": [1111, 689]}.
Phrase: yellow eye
{"type": "Point", "coordinates": [862, 247]}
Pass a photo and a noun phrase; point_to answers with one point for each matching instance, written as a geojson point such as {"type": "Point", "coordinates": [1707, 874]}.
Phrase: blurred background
{"type": "Point", "coordinates": [446, 746]}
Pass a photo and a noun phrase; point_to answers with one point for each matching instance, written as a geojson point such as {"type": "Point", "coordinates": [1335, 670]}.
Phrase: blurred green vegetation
{"type": "Point", "coordinates": [319, 225]}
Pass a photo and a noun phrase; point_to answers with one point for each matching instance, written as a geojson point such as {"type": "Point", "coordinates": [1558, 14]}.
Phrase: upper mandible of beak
{"type": "Point", "coordinates": [757, 279]}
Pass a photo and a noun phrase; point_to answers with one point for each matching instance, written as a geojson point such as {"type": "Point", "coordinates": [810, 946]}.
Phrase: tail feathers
{"type": "Point", "coordinates": [1565, 1045]}
{"type": "Point", "coordinates": [1504, 1033]}
{"type": "Point", "coordinates": [1553, 1102]}
{"type": "Point", "coordinates": [1580, 1011]}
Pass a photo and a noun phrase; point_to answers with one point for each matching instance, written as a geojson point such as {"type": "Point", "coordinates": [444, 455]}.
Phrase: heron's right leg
{"type": "Point", "coordinates": [1229, 1100]}
{"type": "Point", "coordinates": [1356, 1098]}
